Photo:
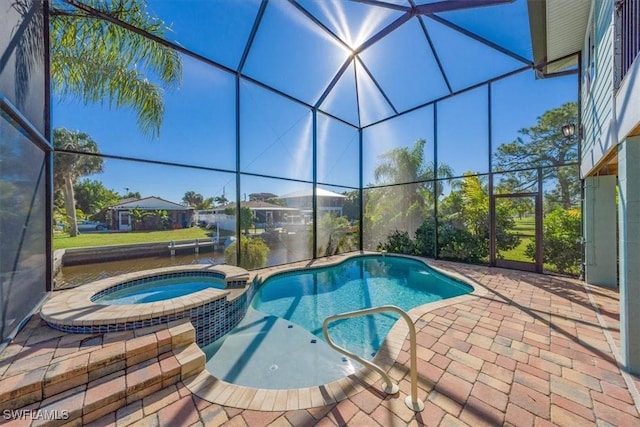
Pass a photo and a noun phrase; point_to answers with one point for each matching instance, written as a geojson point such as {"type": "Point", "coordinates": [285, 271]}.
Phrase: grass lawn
{"type": "Point", "coordinates": [517, 253]}
{"type": "Point", "coordinates": [63, 241]}
{"type": "Point", "coordinates": [526, 229]}
{"type": "Point", "coordinates": [524, 226]}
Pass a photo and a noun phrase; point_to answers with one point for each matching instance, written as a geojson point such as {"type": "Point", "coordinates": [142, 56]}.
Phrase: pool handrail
{"type": "Point", "coordinates": [411, 401]}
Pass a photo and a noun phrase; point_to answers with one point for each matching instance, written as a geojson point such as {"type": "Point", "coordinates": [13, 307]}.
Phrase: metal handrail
{"type": "Point", "coordinates": [411, 401]}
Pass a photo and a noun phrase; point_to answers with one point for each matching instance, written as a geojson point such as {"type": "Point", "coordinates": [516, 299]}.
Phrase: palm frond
{"type": "Point", "coordinates": [92, 80]}
{"type": "Point", "coordinates": [97, 61]}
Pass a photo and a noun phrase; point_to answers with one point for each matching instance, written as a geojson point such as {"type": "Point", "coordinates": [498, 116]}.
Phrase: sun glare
{"type": "Point", "coordinates": [296, 16]}
{"type": "Point", "coordinates": [340, 20]}
{"type": "Point", "coordinates": [373, 105]}
{"type": "Point", "coordinates": [301, 154]}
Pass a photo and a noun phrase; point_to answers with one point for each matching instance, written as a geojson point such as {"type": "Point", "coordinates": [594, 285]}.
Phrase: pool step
{"type": "Point", "coordinates": [84, 385]}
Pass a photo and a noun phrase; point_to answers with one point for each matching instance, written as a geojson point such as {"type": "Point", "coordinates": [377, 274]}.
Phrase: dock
{"type": "Point", "coordinates": [196, 245]}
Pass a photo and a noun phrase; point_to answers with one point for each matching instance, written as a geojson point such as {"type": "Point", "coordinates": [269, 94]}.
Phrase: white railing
{"type": "Point", "coordinates": [390, 387]}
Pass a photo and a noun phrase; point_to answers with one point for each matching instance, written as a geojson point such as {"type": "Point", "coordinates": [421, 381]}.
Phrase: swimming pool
{"type": "Point", "coordinates": [307, 298]}
{"type": "Point", "coordinates": [280, 345]}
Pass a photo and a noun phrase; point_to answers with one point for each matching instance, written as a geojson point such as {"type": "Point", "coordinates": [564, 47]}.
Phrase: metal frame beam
{"type": "Point", "coordinates": [434, 53]}
{"type": "Point", "coordinates": [451, 6]}
{"type": "Point", "coordinates": [480, 39]}
{"type": "Point", "coordinates": [384, 5]}
{"type": "Point", "coordinates": [382, 33]}
{"type": "Point", "coordinates": [333, 82]}
{"type": "Point", "coordinates": [442, 98]}
{"type": "Point", "coordinates": [316, 21]}
{"type": "Point", "coordinates": [436, 250]}
{"type": "Point", "coordinates": [492, 202]}
{"type": "Point", "coordinates": [238, 175]}
{"type": "Point", "coordinates": [361, 193]}
{"type": "Point", "coordinates": [375, 82]}
{"type": "Point", "coordinates": [355, 79]}
{"type": "Point", "coordinates": [314, 189]}
{"type": "Point", "coordinates": [252, 35]}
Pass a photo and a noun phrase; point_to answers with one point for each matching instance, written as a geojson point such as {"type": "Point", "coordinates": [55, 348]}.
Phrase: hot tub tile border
{"type": "Point", "coordinates": [206, 309]}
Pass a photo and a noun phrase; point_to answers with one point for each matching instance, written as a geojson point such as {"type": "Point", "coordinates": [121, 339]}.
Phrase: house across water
{"type": "Point", "coordinates": [149, 213]}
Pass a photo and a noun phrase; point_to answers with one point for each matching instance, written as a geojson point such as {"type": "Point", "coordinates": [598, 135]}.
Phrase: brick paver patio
{"type": "Point", "coordinates": [534, 351]}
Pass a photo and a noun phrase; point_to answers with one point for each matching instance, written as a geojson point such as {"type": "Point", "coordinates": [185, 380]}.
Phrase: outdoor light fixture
{"type": "Point", "coordinates": [568, 130]}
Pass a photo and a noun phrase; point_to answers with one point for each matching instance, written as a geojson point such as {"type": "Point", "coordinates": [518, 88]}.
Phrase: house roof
{"type": "Point", "coordinates": [150, 203]}
{"type": "Point", "coordinates": [257, 206]}
{"type": "Point", "coordinates": [558, 29]}
{"type": "Point", "coordinates": [320, 192]}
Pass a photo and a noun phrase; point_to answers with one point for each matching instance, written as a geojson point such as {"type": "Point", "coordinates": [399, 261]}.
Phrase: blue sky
{"type": "Point", "coordinates": [295, 56]}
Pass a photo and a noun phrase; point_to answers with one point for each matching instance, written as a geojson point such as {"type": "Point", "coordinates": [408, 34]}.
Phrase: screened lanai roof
{"type": "Point", "coordinates": [361, 61]}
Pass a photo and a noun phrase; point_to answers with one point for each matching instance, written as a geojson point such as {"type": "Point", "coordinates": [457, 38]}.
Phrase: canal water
{"type": "Point", "coordinates": [76, 275]}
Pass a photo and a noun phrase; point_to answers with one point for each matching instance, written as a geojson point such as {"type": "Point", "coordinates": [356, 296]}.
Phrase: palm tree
{"type": "Point", "coordinates": [409, 202]}
{"type": "Point", "coordinates": [69, 167]}
{"type": "Point", "coordinates": [191, 198]}
{"type": "Point", "coordinates": [97, 61]}
{"type": "Point", "coordinates": [221, 200]}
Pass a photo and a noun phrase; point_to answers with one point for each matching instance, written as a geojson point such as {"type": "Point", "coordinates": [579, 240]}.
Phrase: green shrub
{"type": "Point", "coordinates": [456, 240]}
{"type": "Point", "coordinates": [253, 254]}
{"type": "Point", "coordinates": [562, 248]}
{"type": "Point", "coordinates": [460, 244]}
{"type": "Point", "coordinates": [398, 242]}
{"type": "Point", "coordinates": [426, 239]}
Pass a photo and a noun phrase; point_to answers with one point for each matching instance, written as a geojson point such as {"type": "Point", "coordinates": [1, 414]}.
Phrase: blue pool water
{"type": "Point", "coordinates": [306, 298]}
{"type": "Point", "coordinates": [160, 289]}
{"type": "Point", "coordinates": [279, 344]}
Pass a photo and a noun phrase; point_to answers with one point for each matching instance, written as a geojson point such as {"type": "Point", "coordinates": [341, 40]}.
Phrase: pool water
{"type": "Point", "coordinates": [307, 298]}
{"type": "Point", "coordinates": [279, 344]}
{"type": "Point", "coordinates": [160, 289]}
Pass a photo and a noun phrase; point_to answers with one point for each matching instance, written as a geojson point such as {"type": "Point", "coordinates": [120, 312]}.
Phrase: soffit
{"type": "Point", "coordinates": [566, 22]}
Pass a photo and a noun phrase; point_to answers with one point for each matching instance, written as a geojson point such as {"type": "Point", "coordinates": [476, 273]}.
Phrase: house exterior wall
{"type": "Point", "coordinates": [600, 240]}
{"type": "Point", "coordinates": [175, 219]}
{"type": "Point", "coordinates": [597, 115]}
{"type": "Point", "coordinates": [629, 252]}
{"type": "Point", "coordinates": [628, 102]}
{"type": "Point", "coordinates": [610, 110]}
{"type": "Point", "coordinates": [610, 114]}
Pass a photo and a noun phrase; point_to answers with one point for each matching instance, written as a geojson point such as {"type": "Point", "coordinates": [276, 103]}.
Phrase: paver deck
{"type": "Point", "coordinates": [533, 350]}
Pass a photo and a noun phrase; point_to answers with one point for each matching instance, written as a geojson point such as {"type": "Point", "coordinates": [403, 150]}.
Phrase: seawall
{"type": "Point", "coordinates": [88, 255]}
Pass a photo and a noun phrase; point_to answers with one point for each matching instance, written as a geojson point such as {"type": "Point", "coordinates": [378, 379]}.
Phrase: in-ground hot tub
{"type": "Point", "coordinates": [214, 306]}
{"type": "Point", "coordinates": [160, 288]}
